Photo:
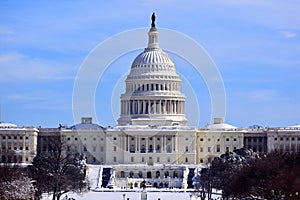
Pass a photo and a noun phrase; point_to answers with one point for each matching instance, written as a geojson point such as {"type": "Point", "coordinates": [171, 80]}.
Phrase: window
{"type": "Point", "coordinates": [158, 138]}
{"type": "Point", "coordinates": [143, 139]}
{"type": "Point", "coordinates": [158, 148]}
{"type": "Point", "coordinates": [15, 137]}
{"type": "Point", "coordinates": [115, 138]}
{"type": "Point", "coordinates": [115, 159]}
{"type": "Point", "coordinates": [157, 159]}
{"type": "Point", "coordinates": [227, 148]}
{"type": "Point", "coordinates": [208, 139]}
{"type": "Point", "coordinates": [115, 148]}
{"type": "Point", "coordinates": [150, 138]}
{"type": "Point", "coordinates": [132, 159]}
{"type": "Point", "coordinates": [3, 137]}
{"type": "Point", "coordinates": [94, 148]}
{"type": "Point", "coordinates": [131, 174]}
{"type": "Point", "coordinates": [169, 160]}
{"type": "Point", "coordinates": [201, 139]}
{"type": "Point", "coordinates": [275, 139]}
{"type": "Point", "coordinates": [186, 149]}
{"type": "Point", "coordinates": [143, 159]}
{"type": "Point", "coordinates": [21, 137]}
{"type": "Point", "coordinates": [201, 149]}
{"type": "Point", "coordinates": [68, 138]}
{"type": "Point", "coordinates": [75, 138]}
{"type": "Point", "coordinates": [101, 149]}
{"type": "Point", "coordinates": [132, 138]}
{"type": "Point", "coordinates": [186, 159]}
{"type": "Point", "coordinates": [122, 174]}
{"type": "Point", "coordinates": [201, 160]}
{"type": "Point", "coordinates": [84, 149]}
{"type": "Point", "coordinates": [234, 139]}
{"type": "Point", "coordinates": [227, 139]}
{"type": "Point", "coordinates": [208, 149]}
{"type": "Point", "coordinates": [94, 139]}
{"type": "Point", "coordinates": [26, 148]}
{"type": "Point", "coordinates": [218, 148]}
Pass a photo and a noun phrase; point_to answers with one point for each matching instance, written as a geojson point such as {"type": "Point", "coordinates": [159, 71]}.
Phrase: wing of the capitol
{"type": "Point", "coordinates": [152, 142]}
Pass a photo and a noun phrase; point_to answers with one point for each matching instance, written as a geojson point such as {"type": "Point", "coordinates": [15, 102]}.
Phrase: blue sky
{"type": "Point", "coordinates": [254, 43]}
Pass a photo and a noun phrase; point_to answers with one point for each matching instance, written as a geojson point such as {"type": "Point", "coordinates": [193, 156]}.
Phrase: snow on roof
{"type": "Point", "coordinates": [6, 125]}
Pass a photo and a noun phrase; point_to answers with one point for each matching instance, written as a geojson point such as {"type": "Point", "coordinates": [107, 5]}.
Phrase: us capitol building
{"type": "Point", "coordinates": [152, 142]}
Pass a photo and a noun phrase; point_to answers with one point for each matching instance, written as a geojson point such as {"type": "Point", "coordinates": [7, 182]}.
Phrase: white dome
{"type": "Point", "coordinates": [152, 93]}
{"type": "Point", "coordinates": [222, 126]}
{"type": "Point", "coordinates": [157, 57]}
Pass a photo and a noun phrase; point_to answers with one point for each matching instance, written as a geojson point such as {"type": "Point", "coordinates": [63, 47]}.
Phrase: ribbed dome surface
{"type": "Point", "coordinates": [156, 56]}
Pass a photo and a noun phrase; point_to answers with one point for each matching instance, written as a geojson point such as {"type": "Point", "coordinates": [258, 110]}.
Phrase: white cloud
{"type": "Point", "coordinates": [263, 95]}
{"type": "Point", "coordinates": [288, 34]}
{"type": "Point", "coordinates": [19, 67]}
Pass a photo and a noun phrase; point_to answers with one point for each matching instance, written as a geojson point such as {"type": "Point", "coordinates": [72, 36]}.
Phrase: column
{"type": "Point", "coordinates": [136, 143]}
{"type": "Point", "coordinates": [172, 106]}
{"type": "Point", "coordinates": [144, 107]}
{"type": "Point", "coordinates": [175, 107]}
{"type": "Point", "coordinates": [163, 143]}
{"type": "Point", "coordinates": [154, 147]}
{"type": "Point", "coordinates": [149, 107]}
{"type": "Point", "coordinates": [159, 107]}
{"type": "Point", "coordinates": [126, 142]}
{"type": "Point", "coordinates": [173, 143]}
{"type": "Point", "coordinates": [146, 147]}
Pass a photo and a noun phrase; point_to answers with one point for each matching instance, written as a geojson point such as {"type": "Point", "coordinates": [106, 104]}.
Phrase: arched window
{"type": "Point", "coordinates": [143, 150]}
{"type": "Point", "coordinates": [132, 148]}
{"type": "Point", "coordinates": [158, 148]}
{"type": "Point", "coordinates": [122, 174]}
{"type": "Point", "coordinates": [131, 174]}
{"type": "Point", "coordinates": [140, 174]}
{"type": "Point", "coordinates": [166, 174]}
{"type": "Point", "coordinates": [149, 175]}
{"type": "Point", "coordinates": [150, 148]}
{"type": "Point", "coordinates": [157, 174]}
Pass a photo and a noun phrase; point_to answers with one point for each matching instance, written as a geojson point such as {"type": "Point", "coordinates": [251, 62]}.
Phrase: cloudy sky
{"type": "Point", "coordinates": [254, 43]}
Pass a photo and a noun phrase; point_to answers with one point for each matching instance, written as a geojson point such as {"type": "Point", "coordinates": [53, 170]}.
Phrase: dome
{"type": "Point", "coordinates": [222, 126]}
{"type": "Point", "coordinates": [152, 94]}
{"type": "Point", "coordinates": [152, 57]}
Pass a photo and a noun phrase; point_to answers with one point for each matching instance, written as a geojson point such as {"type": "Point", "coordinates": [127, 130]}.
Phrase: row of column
{"type": "Point", "coordinates": [135, 107]}
{"type": "Point", "coordinates": [153, 87]}
{"type": "Point", "coordinates": [138, 142]}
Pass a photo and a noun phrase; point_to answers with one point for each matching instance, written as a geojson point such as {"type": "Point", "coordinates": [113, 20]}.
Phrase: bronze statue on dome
{"type": "Point", "coordinates": [153, 20]}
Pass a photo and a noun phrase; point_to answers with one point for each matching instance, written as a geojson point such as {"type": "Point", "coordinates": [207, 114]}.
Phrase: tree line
{"type": "Point", "coordinates": [243, 174]}
{"type": "Point", "coordinates": [54, 172]}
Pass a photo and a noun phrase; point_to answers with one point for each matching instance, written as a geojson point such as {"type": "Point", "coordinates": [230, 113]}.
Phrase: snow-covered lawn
{"type": "Point", "coordinates": [132, 195]}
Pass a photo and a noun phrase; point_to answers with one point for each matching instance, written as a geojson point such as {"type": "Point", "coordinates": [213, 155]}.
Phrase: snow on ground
{"type": "Point", "coordinates": [132, 195]}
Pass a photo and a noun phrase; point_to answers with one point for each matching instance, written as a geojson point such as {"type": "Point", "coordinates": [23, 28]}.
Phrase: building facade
{"type": "Point", "coordinates": [18, 144]}
{"type": "Point", "coordinates": [152, 143]}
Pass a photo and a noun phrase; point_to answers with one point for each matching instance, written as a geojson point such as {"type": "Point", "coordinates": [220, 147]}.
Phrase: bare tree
{"type": "Point", "coordinates": [15, 183]}
{"type": "Point", "coordinates": [58, 171]}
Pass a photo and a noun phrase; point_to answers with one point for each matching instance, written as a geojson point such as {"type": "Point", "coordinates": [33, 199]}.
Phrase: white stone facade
{"type": "Point", "coordinates": [18, 144]}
